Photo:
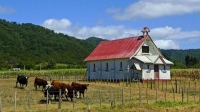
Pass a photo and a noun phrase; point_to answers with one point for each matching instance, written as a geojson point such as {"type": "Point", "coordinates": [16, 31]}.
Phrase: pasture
{"type": "Point", "coordinates": [181, 94]}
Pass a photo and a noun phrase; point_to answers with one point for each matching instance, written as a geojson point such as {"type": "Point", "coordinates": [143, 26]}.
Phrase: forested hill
{"type": "Point", "coordinates": [179, 55]}
{"type": "Point", "coordinates": [31, 45]}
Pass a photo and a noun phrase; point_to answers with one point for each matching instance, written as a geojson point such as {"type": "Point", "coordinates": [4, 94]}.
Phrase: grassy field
{"type": "Point", "coordinates": [181, 94]}
{"type": "Point", "coordinates": [106, 97]}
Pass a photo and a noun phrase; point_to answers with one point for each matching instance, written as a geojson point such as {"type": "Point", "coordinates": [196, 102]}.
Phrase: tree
{"type": "Point", "coordinates": [187, 61]}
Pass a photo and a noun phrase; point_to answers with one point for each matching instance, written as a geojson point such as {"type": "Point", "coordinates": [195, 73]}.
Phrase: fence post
{"type": "Point", "coordinates": [173, 93]}
{"type": "Point", "coordinates": [122, 96]}
{"type": "Point", "coordinates": [0, 105]}
{"type": "Point", "coordinates": [28, 98]}
{"type": "Point", "coordinates": [59, 104]}
{"type": "Point", "coordinates": [156, 95]}
{"type": "Point", "coordinates": [130, 94]}
{"type": "Point", "coordinates": [73, 99]}
{"type": "Point", "coordinates": [165, 95]}
{"type": "Point", "coordinates": [199, 94]}
{"type": "Point", "coordinates": [126, 81]}
{"type": "Point", "coordinates": [147, 83]}
{"type": "Point", "coordinates": [189, 85]}
{"type": "Point", "coordinates": [194, 94]}
{"type": "Point", "coordinates": [187, 95]}
{"type": "Point", "coordinates": [47, 99]}
{"type": "Point", "coordinates": [88, 108]}
{"type": "Point", "coordinates": [100, 96]}
{"type": "Point", "coordinates": [15, 100]}
{"type": "Point", "coordinates": [87, 102]}
{"type": "Point", "coordinates": [182, 95]}
{"type": "Point", "coordinates": [111, 98]}
{"type": "Point", "coordinates": [176, 85]}
{"type": "Point", "coordinates": [147, 94]}
{"type": "Point", "coordinates": [140, 95]}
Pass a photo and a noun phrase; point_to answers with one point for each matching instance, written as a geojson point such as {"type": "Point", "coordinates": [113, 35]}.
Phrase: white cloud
{"type": "Point", "coordinates": [164, 37]}
{"type": "Point", "coordinates": [108, 32]}
{"type": "Point", "coordinates": [6, 10]}
{"type": "Point", "coordinates": [57, 25]}
{"type": "Point", "coordinates": [156, 8]}
{"type": "Point", "coordinates": [172, 33]}
{"type": "Point", "coordinates": [166, 44]}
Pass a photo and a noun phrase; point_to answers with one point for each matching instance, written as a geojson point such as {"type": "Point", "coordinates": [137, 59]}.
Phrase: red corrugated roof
{"type": "Point", "coordinates": [120, 48]}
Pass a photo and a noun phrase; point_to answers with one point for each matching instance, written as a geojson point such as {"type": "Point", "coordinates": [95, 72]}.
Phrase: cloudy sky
{"type": "Point", "coordinates": [173, 24]}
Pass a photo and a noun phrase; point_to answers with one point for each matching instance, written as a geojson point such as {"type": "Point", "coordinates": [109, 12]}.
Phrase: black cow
{"type": "Point", "coordinates": [22, 80]}
{"type": "Point", "coordinates": [40, 82]}
{"type": "Point", "coordinates": [80, 87]}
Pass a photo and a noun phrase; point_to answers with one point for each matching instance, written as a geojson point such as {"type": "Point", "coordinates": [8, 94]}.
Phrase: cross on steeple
{"type": "Point", "coordinates": [145, 30]}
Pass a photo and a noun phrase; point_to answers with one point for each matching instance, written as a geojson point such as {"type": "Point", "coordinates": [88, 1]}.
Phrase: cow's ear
{"type": "Point", "coordinates": [87, 84]}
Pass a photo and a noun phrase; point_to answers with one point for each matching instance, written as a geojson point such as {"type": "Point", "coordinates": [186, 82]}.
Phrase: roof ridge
{"type": "Point", "coordinates": [124, 38]}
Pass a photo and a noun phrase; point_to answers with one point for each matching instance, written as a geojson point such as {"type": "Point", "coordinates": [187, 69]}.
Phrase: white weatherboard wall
{"type": "Point", "coordinates": [113, 72]}
{"type": "Point", "coordinates": [164, 74]}
{"type": "Point", "coordinates": [148, 73]}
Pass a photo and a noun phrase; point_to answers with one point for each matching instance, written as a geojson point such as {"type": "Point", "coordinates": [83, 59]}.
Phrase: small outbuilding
{"type": "Point", "coordinates": [135, 57]}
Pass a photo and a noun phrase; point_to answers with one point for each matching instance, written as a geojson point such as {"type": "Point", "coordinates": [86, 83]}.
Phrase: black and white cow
{"type": "Point", "coordinates": [22, 80]}
{"type": "Point", "coordinates": [52, 92]}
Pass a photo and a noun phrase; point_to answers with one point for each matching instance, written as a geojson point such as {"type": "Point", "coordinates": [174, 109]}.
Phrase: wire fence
{"type": "Point", "coordinates": [107, 93]}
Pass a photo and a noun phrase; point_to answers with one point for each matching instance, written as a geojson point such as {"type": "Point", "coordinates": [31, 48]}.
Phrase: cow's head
{"type": "Point", "coordinates": [47, 88]}
{"type": "Point", "coordinates": [27, 78]}
{"type": "Point", "coordinates": [85, 86]}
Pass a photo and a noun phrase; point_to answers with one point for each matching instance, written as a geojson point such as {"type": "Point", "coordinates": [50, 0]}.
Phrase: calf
{"type": "Point", "coordinates": [80, 87]}
{"type": "Point", "coordinates": [22, 80]}
{"type": "Point", "coordinates": [40, 82]}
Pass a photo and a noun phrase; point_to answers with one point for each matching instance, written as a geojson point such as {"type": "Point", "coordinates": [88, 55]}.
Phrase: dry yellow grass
{"type": "Point", "coordinates": [29, 100]}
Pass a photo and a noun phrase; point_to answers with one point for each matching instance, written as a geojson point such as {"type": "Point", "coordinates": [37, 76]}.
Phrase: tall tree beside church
{"type": "Point", "coordinates": [187, 61]}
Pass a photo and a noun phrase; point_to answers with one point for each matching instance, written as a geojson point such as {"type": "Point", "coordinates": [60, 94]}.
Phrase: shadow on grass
{"type": "Point", "coordinates": [44, 101]}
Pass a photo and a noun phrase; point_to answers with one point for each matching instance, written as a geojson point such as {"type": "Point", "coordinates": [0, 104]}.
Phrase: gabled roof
{"type": "Point", "coordinates": [120, 48]}
{"type": "Point", "coordinates": [153, 59]}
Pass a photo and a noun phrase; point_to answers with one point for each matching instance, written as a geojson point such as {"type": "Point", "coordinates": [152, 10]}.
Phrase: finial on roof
{"type": "Point", "coordinates": [145, 30]}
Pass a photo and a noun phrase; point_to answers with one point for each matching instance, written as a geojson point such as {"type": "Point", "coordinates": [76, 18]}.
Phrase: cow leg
{"type": "Point", "coordinates": [16, 84]}
{"type": "Point", "coordinates": [35, 86]}
{"type": "Point", "coordinates": [66, 97]}
{"type": "Point", "coordinates": [71, 99]}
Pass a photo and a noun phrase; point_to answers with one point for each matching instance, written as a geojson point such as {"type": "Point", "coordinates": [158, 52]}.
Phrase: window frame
{"type": "Point", "coordinates": [145, 49]}
{"type": "Point", "coordinates": [94, 67]}
{"type": "Point", "coordinates": [106, 67]}
{"type": "Point", "coordinates": [121, 69]}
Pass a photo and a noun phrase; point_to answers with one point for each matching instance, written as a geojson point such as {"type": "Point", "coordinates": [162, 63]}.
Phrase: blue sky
{"type": "Point", "coordinates": [173, 24]}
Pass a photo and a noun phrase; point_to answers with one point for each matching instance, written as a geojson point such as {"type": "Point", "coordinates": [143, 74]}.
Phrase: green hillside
{"type": "Point", "coordinates": [34, 46]}
{"type": "Point", "coordinates": [31, 45]}
{"type": "Point", "coordinates": [94, 40]}
{"type": "Point", "coordinates": [179, 54]}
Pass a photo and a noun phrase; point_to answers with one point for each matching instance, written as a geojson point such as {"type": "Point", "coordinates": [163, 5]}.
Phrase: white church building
{"type": "Point", "coordinates": [135, 57]}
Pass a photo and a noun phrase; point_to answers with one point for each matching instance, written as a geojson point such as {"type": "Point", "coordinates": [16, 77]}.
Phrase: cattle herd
{"type": "Point", "coordinates": [55, 88]}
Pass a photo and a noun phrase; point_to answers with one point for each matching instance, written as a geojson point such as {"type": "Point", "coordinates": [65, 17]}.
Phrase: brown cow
{"type": "Point", "coordinates": [65, 88]}
{"type": "Point", "coordinates": [80, 87]}
{"type": "Point", "coordinates": [40, 82]}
